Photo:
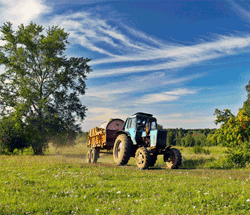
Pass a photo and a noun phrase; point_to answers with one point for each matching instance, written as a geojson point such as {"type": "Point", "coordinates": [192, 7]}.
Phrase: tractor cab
{"type": "Point", "coordinates": [142, 129]}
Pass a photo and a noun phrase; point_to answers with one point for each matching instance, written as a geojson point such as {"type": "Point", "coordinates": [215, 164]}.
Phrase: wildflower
{"type": "Point", "coordinates": [85, 196]}
{"type": "Point", "coordinates": [97, 209]}
{"type": "Point", "coordinates": [118, 192]}
{"type": "Point", "coordinates": [194, 207]}
{"type": "Point", "coordinates": [128, 195]}
{"type": "Point", "coordinates": [248, 200]}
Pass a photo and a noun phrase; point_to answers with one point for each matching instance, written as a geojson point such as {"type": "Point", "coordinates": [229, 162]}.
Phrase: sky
{"type": "Point", "coordinates": [178, 60]}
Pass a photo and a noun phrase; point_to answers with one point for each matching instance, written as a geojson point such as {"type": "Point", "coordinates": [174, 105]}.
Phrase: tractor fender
{"type": "Point", "coordinates": [121, 132]}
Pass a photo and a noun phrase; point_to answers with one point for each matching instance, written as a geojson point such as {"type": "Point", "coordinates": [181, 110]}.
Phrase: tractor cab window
{"type": "Point", "coordinates": [153, 125]}
{"type": "Point", "coordinates": [141, 124]}
{"type": "Point", "coordinates": [131, 123]}
{"type": "Point", "coordinates": [128, 123]}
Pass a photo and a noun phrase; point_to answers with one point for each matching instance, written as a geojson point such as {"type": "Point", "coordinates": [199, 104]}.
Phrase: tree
{"type": "Point", "coordinates": [222, 116]}
{"type": "Point", "coordinates": [189, 140]}
{"type": "Point", "coordinates": [159, 126]}
{"type": "Point", "coordinates": [40, 83]}
{"type": "Point", "coordinates": [170, 139]}
{"type": "Point", "coordinates": [235, 130]}
{"type": "Point", "coordinates": [246, 105]}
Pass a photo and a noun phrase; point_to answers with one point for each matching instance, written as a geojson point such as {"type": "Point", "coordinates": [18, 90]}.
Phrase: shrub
{"type": "Point", "coordinates": [239, 156]}
{"type": "Point", "coordinates": [13, 135]}
{"type": "Point", "coordinates": [198, 149]}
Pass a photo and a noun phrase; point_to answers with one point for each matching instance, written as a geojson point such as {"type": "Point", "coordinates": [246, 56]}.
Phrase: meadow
{"type": "Point", "coordinates": [61, 182]}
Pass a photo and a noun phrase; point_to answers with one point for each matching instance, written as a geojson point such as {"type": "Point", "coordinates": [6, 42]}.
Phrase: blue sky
{"type": "Point", "coordinates": [178, 60]}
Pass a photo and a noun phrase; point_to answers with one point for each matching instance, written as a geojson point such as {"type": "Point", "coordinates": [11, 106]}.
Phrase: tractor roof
{"type": "Point", "coordinates": [142, 114]}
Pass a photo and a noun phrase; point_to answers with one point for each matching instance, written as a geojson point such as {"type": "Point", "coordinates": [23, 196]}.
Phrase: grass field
{"type": "Point", "coordinates": [62, 183]}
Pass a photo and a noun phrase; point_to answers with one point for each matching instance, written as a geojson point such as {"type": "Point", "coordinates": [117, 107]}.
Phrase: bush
{"type": "Point", "coordinates": [239, 156]}
{"type": "Point", "coordinates": [13, 135]}
{"type": "Point", "coordinates": [198, 149]}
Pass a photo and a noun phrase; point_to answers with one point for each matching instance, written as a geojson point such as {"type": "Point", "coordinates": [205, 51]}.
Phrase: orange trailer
{"type": "Point", "coordinates": [103, 137]}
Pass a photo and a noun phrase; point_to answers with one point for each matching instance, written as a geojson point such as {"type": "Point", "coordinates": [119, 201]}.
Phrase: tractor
{"type": "Point", "coordinates": [140, 138]}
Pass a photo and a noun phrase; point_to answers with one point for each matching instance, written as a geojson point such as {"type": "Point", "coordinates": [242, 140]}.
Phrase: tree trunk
{"type": "Point", "coordinates": [37, 148]}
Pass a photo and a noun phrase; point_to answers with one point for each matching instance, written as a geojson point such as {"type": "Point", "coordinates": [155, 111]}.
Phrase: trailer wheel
{"type": "Point", "coordinates": [142, 158]}
{"type": "Point", "coordinates": [94, 155]}
{"type": "Point", "coordinates": [153, 159]}
{"type": "Point", "coordinates": [121, 150]}
{"type": "Point", "coordinates": [173, 158]}
{"type": "Point", "coordinates": [88, 158]}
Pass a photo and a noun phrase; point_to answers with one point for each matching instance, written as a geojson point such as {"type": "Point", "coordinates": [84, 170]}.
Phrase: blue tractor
{"type": "Point", "coordinates": [141, 139]}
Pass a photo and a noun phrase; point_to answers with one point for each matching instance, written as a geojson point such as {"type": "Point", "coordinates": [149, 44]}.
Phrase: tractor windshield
{"type": "Point", "coordinates": [142, 122]}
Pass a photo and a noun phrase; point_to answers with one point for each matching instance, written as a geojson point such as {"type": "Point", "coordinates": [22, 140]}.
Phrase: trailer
{"type": "Point", "coordinates": [103, 138]}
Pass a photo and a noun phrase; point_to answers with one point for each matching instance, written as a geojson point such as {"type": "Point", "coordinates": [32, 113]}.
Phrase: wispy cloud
{"type": "Point", "coordinates": [122, 44]}
{"type": "Point", "coordinates": [139, 84]}
{"type": "Point", "coordinates": [245, 14]}
{"type": "Point", "coordinates": [165, 96]}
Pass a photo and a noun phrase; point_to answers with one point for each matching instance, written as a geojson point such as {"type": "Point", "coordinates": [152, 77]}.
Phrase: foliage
{"type": "Point", "coordinates": [222, 116]}
{"type": "Point", "coordinates": [198, 149]}
{"type": "Point", "coordinates": [159, 126]}
{"type": "Point", "coordinates": [189, 140]}
{"type": "Point", "coordinates": [234, 131]}
{"type": "Point", "coordinates": [170, 139]}
{"type": "Point", "coordinates": [239, 156]}
{"type": "Point", "coordinates": [246, 105]}
{"type": "Point", "coordinates": [40, 83]}
{"type": "Point", "coordinates": [13, 135]}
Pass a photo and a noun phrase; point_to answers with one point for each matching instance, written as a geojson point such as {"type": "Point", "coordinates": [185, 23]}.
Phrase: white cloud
{"type": "Point", "coordinates": [164, 96]}
{"type": "Point", "coordinates": [22, 11]}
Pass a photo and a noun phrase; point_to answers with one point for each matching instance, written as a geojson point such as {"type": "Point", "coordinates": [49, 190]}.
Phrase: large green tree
{"type": "Point", "coordinates": [40, 83]}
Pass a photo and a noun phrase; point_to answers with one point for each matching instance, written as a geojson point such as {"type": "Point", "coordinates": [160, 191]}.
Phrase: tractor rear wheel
{"type": "Point", "coordinates": [122, 149]}
{"type": "Point", "coordinates": [173, 158]}
{"type": "Point", "coordinates": [94, 155]}
{"type": "Point", "coordinates": [88, 158]}
{"type": "Point", "coordinates": [142, 158]}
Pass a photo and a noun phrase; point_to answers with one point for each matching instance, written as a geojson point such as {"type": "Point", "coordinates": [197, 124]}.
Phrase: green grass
{"type": "Point", "coordinates": [62, 183]}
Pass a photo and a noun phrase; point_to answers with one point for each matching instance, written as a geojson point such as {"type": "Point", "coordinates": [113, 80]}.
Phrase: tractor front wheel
{"type": "Point", "coordinates": [173, 158]}
{"type": "Point", "coordinates": [142, 158]}
{"type": "Point", "coordinates": [122, 149]}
